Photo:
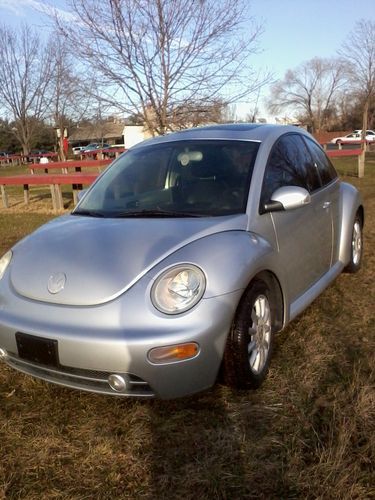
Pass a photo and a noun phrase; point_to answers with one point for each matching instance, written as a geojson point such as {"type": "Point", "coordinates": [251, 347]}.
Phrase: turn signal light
{"type": "Point", "coordinates": [173, 353]}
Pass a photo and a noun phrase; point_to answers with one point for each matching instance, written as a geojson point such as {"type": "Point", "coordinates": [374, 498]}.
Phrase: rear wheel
{"type": "Point", "coordinates": [250, 341]}
{"type": "Point", "coordinates": [356, 250]}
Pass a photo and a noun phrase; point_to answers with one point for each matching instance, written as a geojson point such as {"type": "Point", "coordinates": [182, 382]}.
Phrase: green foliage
{"type": "Point", "coordinates": [44, 137]}
{"type": "Point", "coordinates": [8, 141]}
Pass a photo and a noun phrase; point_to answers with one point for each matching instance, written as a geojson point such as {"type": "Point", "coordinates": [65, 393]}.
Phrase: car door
{"type": "Point", "coordinates": [304, 235]}
{"type": "Point", "coordinates": [331, 190]}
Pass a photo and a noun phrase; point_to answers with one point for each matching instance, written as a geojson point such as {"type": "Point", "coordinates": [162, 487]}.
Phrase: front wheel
{"type": "Point", "coordinates": [250, 341]}
{"type": "Point", "coordinates": [356, 249]}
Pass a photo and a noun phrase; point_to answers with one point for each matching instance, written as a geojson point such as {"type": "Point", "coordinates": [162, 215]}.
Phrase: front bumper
{"type": "Point", "coordinates": [115, 338]}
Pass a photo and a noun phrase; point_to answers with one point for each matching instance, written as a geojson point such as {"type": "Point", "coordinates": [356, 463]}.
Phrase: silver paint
{"type": "Point", "coordinates": [103, 318]}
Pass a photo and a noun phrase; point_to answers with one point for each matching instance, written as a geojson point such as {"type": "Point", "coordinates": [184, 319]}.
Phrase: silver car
{"type": "Point", "coordinates": [184, 258]}
{"type": "Point", "coordinates": [354, 137]}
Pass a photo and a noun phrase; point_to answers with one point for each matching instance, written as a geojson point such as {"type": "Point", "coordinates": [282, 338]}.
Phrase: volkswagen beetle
{"type": "Point", "coordinates": [184, 258]}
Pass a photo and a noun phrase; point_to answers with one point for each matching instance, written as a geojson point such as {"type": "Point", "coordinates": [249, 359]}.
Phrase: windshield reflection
{"type": "Point", "coordinates": [176, 179]}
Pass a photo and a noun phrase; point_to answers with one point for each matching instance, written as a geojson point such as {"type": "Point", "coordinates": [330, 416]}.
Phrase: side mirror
{"type": "Point", "coordinates": [288, 198]}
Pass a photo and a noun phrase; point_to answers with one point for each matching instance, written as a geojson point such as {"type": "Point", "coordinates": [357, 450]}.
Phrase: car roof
{"type": "Point", "coordinates": [232, 131]}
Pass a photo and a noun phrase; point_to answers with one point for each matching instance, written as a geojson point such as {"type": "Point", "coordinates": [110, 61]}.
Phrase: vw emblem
{"type": "Point", "coordinates": [56, 282]}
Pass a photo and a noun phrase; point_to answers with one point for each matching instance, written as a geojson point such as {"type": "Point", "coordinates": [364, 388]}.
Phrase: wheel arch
{"type": "Point", "coordinates": [361, 213]}
{"type": "Point", "coordinates": [234, 368]}
{"type": "Point", "coordinates": [277, 296]}
{"type": "Point", "coordinates": [356, 252]}
{"type": "Point", "coordinates": [351, 206]}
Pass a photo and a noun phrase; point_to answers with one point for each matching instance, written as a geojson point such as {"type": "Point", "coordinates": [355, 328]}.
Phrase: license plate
{"type": "Point", "coordinates": [37, 349]}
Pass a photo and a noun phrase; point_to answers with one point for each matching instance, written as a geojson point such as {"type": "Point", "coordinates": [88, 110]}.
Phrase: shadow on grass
{"type": "Point", "coordinates": [66, 444]}
{"type": "Point", "coordinates": [196, 449]}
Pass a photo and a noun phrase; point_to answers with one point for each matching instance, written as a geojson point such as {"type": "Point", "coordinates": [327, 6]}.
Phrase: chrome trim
{"type": "Point", "coordinates": [77, 378]}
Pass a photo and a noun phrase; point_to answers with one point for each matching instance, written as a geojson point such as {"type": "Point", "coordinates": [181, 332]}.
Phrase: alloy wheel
{"type": "Point", "coordinates": [260, 334]}
{"type": "Point", "coordinates": [357, 243]}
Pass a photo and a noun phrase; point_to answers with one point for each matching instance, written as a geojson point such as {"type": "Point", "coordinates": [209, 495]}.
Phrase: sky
{"type": "Point", "coordinates": [294, 30]}
{"type": "Point", "coordinates": [298, 30]}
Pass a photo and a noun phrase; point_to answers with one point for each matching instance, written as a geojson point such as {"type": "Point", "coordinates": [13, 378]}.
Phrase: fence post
{"type": "Point", "coordinates": [361, 164]}
{"type": "Point", "coordinates": [26, 195]}
{"type": "Point", "coordinates": [4, 196]}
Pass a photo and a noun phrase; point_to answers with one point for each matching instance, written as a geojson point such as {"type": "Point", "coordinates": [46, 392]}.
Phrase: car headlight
{"type": "Point", "coordinates": [4, 262]}
{"type": "Point", "coordinates": [178, 289]}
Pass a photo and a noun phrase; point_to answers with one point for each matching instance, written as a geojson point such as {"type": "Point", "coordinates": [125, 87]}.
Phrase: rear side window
{"type": "Point", "coordinates": [326, 170]}
{"type": "Point", "coordinates": [289, 164]}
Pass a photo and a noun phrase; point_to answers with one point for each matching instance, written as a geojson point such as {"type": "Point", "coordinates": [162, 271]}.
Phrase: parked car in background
{"type": "Point", "coordinates": [91, 147]}
{"type": "Point", "coordinates": [183, 259]}
{"type": "Point", "coordinates": [3, 154]}
{"type": "Point", "coordinates": [354, 137]}
{"type": "Point", "coordinates": [77, 150]}
{"type": "Point", "coordinates": [39, 152]}
{"type": "Point", "coordinates": [36, 154]}
{"type": "Point", "coordinates": [94, 146]}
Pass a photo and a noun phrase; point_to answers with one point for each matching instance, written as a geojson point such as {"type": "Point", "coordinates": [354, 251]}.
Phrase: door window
{"type": "Point", "coordinates": [326, 170]}
{"type": "Point", "coordinates": [289, 164]}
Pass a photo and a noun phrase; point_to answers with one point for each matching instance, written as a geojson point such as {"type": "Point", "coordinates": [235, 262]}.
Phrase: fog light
{"type": "Point", "coordinates": [118, 382]}
{"type": "Point", "coordinates": [3, 354]}
{"type": "Point", "coordinates": [173, 353]}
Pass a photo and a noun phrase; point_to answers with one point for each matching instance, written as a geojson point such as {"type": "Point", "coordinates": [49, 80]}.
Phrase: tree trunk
{"type": "Point", "coordinates": [62, 155]}
{"type": "Point", "coordinates": [365, 122]}
{"type": "Point", "coordinates": [361, 160]}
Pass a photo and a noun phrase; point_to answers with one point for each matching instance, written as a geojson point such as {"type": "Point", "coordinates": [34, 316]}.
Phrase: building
{"type": "Point", "coordinates": [108, 133]}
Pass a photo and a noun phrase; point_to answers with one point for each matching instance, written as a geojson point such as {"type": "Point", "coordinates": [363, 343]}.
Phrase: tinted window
{"type": "Point", "coordinates": [290, 164]}
{"type": "Point", "coordinates": [178, 178]}
{"type": "Point", "coordinates": [325, 167]}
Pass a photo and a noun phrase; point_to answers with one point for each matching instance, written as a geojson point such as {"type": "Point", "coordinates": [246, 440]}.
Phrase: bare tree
{"type": "Point", "coordinates": [186, 115]}
{"type": "Point", "coordinates": [25, 75]}
{"type": "Point", "coordinates": [252, 115]}
{"type": "Point", "coordinates": [309, 90]}
{"type": "Point", "coordinates": [359, 53]}
{"type": "Point", "coordinates": [154, 57]}
{"type": "Point", "coordinates": [70, 94]}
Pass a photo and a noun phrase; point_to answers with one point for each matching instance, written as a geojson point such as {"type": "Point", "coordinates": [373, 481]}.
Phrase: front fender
{"type": "Point", "coordinates": [229, 260]}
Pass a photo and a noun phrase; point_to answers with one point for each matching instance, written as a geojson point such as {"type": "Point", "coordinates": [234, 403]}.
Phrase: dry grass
{"type": "Point", "coordinates": [307, 433]}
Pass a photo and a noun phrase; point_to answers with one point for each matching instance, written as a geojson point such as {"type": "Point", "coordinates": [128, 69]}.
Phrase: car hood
{"type": "Point", "coordinates": [76, 260]}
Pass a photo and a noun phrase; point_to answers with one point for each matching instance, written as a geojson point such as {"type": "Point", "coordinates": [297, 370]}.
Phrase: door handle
{"type": "Point", "coordinates": [326, 204]}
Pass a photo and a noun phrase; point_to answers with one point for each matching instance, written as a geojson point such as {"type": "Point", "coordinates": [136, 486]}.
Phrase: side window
{"type": "Point", "coordinates": [289, 164]}
{"type": "Point", "coordinates": [326, 170]}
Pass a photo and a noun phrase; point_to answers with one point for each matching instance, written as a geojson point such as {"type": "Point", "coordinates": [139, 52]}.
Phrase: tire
{"type": "Point", "coordinates": [250, 342]}
{"type": "Point", "coordinates": [356, 247]}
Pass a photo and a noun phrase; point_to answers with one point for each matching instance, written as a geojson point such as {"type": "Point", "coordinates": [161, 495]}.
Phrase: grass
{"type": "Point", "coordinates": [307, 433]}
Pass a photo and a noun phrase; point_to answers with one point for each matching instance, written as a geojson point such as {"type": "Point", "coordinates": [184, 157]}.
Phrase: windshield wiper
{"type": "Point", "coordinates": [89, 213]}
{"type": "Point", "coordinates": [155, 213]}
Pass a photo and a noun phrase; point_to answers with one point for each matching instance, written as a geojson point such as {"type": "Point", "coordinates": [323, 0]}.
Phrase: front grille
{"type": "Point", "coordinates": [78, 378]}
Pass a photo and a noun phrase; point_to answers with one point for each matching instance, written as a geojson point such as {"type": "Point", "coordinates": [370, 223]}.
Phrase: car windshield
{"type": "Point", "coordinates": [175, 179]}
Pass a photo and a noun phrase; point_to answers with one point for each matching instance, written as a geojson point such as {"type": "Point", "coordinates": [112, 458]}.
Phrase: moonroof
{"type": "Point", "coordinates": [234, 126]}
